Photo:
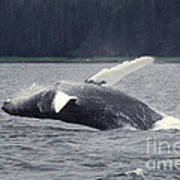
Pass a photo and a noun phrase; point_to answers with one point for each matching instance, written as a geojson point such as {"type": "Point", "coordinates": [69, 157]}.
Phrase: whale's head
{"type": "Point", "coordinates": [10, 105]}
{"type": "Point", "coordinates": [44, 104]}
{"type": "Point", "coordinates": [29, 106]}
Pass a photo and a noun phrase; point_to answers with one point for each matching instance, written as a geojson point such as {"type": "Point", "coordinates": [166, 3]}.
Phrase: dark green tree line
{"type": "Point", "coordinates": [84, 28]}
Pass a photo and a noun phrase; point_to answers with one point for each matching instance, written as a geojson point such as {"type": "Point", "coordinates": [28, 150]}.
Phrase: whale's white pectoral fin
{"type": "Point", "coordinates": [61, 99]}
{"type": "Point", "coordinates": [109, 77]}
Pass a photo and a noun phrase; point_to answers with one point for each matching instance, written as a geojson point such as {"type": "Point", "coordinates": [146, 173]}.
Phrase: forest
{"type": "Point", "coordinates": [89, 28]}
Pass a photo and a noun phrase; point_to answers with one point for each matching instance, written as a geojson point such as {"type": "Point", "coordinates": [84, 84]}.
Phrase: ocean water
{"type": "Point", "coordinates": [34, 149]}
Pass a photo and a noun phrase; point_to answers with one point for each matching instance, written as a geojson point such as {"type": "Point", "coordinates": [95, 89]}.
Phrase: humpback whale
{"type": "Point", "coordinates": [92, 103]}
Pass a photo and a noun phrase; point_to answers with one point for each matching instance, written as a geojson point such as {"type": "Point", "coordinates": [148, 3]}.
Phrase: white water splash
{"type": "Point", "coordinates": [129, 127]}
{"type": "Point", "coordinates": [30, 91]}
{"type": "Point", "coordinates": [136, 173]}
{"type": "Point", "coordinates": [168, 122]}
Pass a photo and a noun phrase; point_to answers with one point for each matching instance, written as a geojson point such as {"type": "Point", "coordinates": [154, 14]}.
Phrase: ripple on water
{"type": "Point", "coordinates": [45, 149]}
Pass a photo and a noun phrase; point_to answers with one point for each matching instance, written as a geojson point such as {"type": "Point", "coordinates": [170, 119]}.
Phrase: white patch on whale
{"type": "Point", "coordinates": [60, 100]}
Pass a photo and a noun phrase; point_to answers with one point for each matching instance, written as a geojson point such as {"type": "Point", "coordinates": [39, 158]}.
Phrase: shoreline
{"type": "Point", "coordinates": [159, 60]}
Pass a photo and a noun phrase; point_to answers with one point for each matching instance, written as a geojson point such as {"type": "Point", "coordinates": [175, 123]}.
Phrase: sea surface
{"type": "Point", "coordinates": [34, 149]}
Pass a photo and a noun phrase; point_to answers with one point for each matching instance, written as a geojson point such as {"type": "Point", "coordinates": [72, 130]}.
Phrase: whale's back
{"type": "Point", "coordinates": [107, 108]}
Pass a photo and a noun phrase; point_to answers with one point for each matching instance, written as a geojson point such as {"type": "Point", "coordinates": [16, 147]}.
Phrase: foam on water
{"type": "Point", "coordinates": [168, 122]}
{"type": "Point", "coordinates": [138, 172]}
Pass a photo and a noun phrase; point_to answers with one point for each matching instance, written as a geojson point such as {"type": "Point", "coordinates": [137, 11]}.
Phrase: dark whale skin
{"type": "Point", "coordinates": [98, 107]}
